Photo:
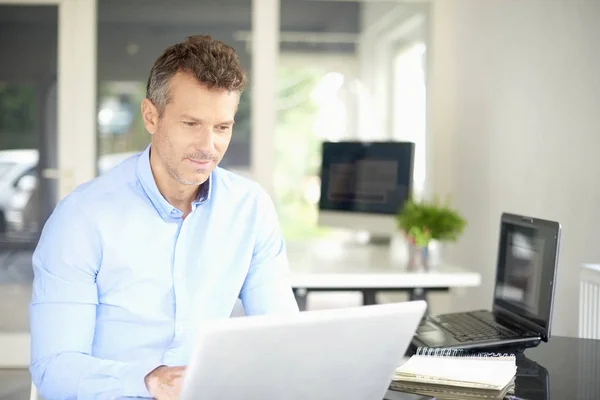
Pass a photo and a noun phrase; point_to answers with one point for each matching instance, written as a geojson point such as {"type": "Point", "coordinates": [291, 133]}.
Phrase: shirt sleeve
{"type": "Point", "coordinates": [267, 288]}
{"type": "Point", "coordinates": [63, 315]}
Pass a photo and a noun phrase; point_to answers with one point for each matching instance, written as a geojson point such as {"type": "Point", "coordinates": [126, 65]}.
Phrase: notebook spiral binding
{"type": "Point", "coordinates": [458, 353]}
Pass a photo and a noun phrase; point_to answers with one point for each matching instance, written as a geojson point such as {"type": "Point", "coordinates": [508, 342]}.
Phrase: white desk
{"type": "Point", "coordinates": [336, 266]}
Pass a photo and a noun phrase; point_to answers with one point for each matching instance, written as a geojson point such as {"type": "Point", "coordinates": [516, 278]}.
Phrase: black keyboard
{"type": "Point", "coordinates": [473, 326]}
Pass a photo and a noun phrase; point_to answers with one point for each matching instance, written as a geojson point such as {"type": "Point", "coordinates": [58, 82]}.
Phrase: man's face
{"type": "Point", "coordinates": [195, 129]}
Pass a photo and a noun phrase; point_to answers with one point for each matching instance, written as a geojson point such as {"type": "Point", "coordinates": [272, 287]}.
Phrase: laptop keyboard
{"type": "Point", "coordinates": [473, 326]}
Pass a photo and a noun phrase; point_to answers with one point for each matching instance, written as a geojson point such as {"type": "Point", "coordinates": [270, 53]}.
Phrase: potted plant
{"type": "Point", "coordinates": [425, 221]}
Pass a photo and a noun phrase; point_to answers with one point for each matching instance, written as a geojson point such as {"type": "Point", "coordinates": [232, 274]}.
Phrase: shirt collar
{"type": "Point", "coordinates": [166, 209]}
{"type": "Point", "coordinates": [204, 192]}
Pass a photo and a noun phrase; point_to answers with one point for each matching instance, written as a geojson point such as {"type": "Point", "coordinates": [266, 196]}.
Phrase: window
{"type": "Point", "coordinates": [120, 125]}
{"type": "Point", "coordinates": [409, 106]}
{"type": "Point", "coordinates": [314, 103]}
{"type": "Point", "coordinates": [131, 35]}
{"type": "Point", "coordinates": [338, 72]}
{"type": "Point", "coordinates": [17, 116]}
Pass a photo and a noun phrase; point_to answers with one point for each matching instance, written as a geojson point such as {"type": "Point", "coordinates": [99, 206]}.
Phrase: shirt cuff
{"type": "Point", "coordinates": [133, 381]}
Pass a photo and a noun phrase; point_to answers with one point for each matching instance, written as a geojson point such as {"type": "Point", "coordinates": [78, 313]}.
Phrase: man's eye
{"type": "Point", "coordinates": [189, 123]}
{"type": "Point", "coordinates": [224, 128]}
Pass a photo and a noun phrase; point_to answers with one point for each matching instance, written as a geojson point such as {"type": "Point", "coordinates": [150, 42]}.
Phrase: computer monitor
{"type": "Point", "coordinates": [364, 184]}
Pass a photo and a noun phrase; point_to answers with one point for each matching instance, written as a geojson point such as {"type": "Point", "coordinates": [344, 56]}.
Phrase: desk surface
{"type": "Point", "coordinates": [563, 368]}
{"type": "Point", "coordinates": [331, 264]}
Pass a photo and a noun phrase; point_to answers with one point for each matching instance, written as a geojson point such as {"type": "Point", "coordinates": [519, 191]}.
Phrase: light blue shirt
{"type": "Point", "coordinates": [122, 282]}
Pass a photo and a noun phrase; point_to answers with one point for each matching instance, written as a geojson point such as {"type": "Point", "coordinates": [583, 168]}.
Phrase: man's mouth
{"type": "Point", "coordinates": [199, 163]}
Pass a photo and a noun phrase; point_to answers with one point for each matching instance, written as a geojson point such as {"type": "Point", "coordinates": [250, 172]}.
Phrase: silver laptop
{"type": "Point", "coordinates": [348, 353]}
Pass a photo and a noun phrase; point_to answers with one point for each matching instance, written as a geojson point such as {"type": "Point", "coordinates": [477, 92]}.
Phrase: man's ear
{"type": "Point", "coordinates": [150, 116]}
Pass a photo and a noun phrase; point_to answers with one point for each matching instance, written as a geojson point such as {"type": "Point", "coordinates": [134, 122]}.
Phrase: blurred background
{"type": "Point", "coordinates": [499, 97]}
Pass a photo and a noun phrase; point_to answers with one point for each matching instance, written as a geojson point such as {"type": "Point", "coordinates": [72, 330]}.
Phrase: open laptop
{"type": "Point", "coordinates": [521, 315]}
{"type": "Point", "coordinates": [348, 353]}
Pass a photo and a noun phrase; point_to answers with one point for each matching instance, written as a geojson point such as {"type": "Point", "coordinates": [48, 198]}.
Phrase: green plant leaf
{"type": "Point", "coordinates": [425, 221]}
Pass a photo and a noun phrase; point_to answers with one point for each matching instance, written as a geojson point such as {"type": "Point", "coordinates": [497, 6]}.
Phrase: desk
{"type": "Point", "coordinates": [338, 266]}
{"type": "Point", "coordinates": [563, 368]}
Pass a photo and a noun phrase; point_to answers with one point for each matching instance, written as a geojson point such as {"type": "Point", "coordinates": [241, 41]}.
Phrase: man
{"type": "Point", "coordinates": [130, 264]}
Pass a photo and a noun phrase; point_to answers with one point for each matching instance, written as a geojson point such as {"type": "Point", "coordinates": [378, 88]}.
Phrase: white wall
{"type": "Point", "coordinates": [514, 124]}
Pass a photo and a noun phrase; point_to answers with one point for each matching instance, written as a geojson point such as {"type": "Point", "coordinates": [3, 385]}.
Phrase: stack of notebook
{"type": "Point", "coordinates": [457, 377]}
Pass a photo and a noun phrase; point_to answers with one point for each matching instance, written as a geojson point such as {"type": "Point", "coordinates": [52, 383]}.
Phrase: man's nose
{"type": "Point", "coordinates": [205, 140]}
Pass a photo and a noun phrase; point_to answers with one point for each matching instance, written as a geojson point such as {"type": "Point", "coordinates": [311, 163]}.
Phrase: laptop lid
{"type": "Point", "coordinates": [526, 271]}
{"type": "Point", "coordinates": [346, 353]}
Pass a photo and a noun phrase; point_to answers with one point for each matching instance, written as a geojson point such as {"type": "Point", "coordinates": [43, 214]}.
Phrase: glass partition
{"type": "Point", "coordinates": [28, 149]}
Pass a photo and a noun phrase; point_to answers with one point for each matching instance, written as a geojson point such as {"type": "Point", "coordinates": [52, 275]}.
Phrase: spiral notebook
{"type": "Point", "coordinates": [450, 373]}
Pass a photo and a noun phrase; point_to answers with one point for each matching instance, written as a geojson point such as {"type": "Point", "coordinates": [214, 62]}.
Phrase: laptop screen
{"type": "Point", "coordinates": [526, 267]}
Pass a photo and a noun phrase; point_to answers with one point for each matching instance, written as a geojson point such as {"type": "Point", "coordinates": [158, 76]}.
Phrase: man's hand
{"type": "Point", "coordinates": [164, 383]}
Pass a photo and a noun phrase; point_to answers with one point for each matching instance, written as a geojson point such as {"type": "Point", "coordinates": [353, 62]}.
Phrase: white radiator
{"type": "Point", "coordinates": [589, 302]}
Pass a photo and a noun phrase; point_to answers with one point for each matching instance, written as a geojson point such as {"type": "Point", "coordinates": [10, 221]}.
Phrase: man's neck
{"type": "Point", "coordinates": [177, 194]}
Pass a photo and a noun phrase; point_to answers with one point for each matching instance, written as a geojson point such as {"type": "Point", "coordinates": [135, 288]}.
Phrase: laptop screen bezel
{"type": "Point", "coordinates": [550, 231]}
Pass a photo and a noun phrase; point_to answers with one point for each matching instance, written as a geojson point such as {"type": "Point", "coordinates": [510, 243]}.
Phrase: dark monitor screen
{"type": "Point", "coordinates": [370, 177]}
{"type": "Point", "coordinates": [526, 268]}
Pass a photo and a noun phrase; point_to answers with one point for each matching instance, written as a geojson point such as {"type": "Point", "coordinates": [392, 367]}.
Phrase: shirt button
{"type": "Point", "coordinates": [180, 328]}
{"type": "Point", "coordinates": [178, 277]}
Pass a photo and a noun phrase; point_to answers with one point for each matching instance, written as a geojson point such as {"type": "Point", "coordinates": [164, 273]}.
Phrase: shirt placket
{"type": "Point", "coordinates": [181, 307]}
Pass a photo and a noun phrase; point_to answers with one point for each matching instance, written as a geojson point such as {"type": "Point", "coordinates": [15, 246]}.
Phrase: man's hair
{"type": "Point", "coordinates": [213, 63]}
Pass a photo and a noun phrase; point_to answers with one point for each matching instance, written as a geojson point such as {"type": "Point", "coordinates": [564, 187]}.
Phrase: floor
{"type": "Point", "coordinates": [15, 292]}
{"type": "Point", "coordinates": [14, 384]}
{"type": "Point", "coordinates": [16, 276]}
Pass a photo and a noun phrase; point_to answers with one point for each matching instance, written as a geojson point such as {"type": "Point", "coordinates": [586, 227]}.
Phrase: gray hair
{"type": "Point", "coordinates": [212, 62]}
